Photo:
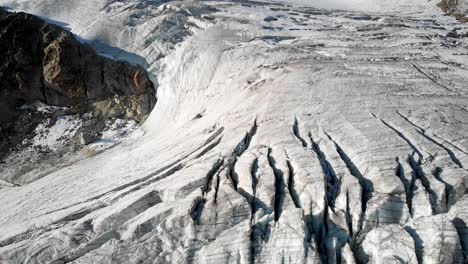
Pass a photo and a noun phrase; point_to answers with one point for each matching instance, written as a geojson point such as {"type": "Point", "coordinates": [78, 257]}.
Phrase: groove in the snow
{"type": "Point", "coordinates": [88, 247]}
{"type": "Point", "coordinates": [322, 234]}
{"type": "Point", "coordinates": [258, 234]}
{"type": "Point", "coordinates": [367, 187]}
{"type": "Point", "coordinates": [212, 175]}
{"type": "Point", "coordinates": [461, 228]}
{"type": "Point", "coordinates": [453, 145]}
{"type": "Point", "coordinates": [218, 181]}
{"type": "Point", "coordinates": [197, 209]}
{"type": "Point", "coordinates": [238, 151]}
{"type": "Point", "coordinates": [332, 183]}
{"type": "Point", "coordinates": [422, 132]}
{"type": "Point", "coordinates": [291, 183]}
{"type": "Point", "coordinates": [400, 173]}
{"type": "Point", "coordinates": [418, 243]}
{"type": "Point", "coordinates": [136, 185]}
{"type": "Point", "coordinates": [253, 174]}
{"type": "Point", "coordinates": [402, 136]}
{"type": "Point", "coordinates": [279, 186]}
{"type": "Point", "coordinates": [296, 133]}
{"type": "Point", "coordinates": [448, 188]}
{"type": "Point", "coordinates": [331, 189]}
{"type": "Point", "coordinates": [349, 219]}
{"type": "Point", "coordinates": [433, 79]}
{"type": "Point", "coordinates": [252, 244]}
{"type": "Point", "coordinates": [9, 183]}
{"type": "Point", "coordinates": [419, 174]}
{"type": "Point", "coordinates": [209, 147]}
{"type": "Point", "coordinates": [150, 178]}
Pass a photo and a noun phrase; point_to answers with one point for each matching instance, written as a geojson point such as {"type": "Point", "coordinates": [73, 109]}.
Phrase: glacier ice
{"type": "Point", "coordinates": [320, 136]}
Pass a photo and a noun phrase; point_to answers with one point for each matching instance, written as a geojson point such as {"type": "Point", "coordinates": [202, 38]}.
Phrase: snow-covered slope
{"type": "Point", "coordinates": [282, 134]}
{"type": "Point", "coordinates": [368, 5]}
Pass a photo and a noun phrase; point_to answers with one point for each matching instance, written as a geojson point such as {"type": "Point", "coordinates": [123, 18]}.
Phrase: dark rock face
{"type": "Point", "coordinates": [454, 8]}
{"type": "Point", "coordinates": [42, 62]}
{"type": "Point", "coordinates": [45, 67]}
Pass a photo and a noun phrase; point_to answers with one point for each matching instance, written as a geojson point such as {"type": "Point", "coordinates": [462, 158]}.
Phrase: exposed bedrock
{"type": "Point", "coordinates": [58, 95]}
{"type": "Point", "coordinates": [42, 62]}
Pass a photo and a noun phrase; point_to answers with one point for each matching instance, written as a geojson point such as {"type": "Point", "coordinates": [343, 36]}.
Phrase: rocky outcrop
{"type": "Point", "coordinates": [49, 80]}
{"type": "Point", "coordinates": [42, 62]}
{"type": "Point", "coordinates": [456, 8]}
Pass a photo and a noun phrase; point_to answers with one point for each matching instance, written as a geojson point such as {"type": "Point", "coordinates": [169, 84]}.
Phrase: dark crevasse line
{"type": "Point", "coordinates": [81, 214]}
{"type": "Point", "coordinates": [238, 151]}
{"type": "Point", "coordinates": [409, 191]}
{"type": "Point", "coordinates": [297, 134]}
{"type": "Point", "coordinates": [171, 168]}
{"type": "Point", "coordinates": [418, 243]}
{"type": "Point", "coordinates": [212, 178]}
{"type": "Point", "coordinates": [422, 132]}
{"type": "Point", "coordinates": [402, 136]}
{"type": "Point", "coordinates": [132, 210]}
{"type": "Point", "coordinates": [448, 188]}
{"type": "Point", "coordinates": [419, 175]}
{"type": "Point", "coordinates": [57, 223]}
{"type": "Point", "coordinates": [322, 234]}
{"type": "Point", "coordinates": [418, 172]}
{"type": "Point", "coordinates": [252, 199]}
{"type": "Point", "coordinates": [259, 233]}
{"type": "Point", "coordinates": [462, 229]}
{"type": "Point", "coordinates": [329, 196]}
{"type": "Point", "coordinates": [209, 147]}
{"type": "Point", "coordinates": [433, 79]}
{"type": "Point", "coordinates": [197, 209]}
{"type": "Point", "coordinates": [252, 244]}
{"type": "Point", "coordinates": [291, 183]}
{"type": "Point", "coordinates": [166, 174]}
{"type": "Point", "coordinates": [154, 176]}
{"type": "Point", "coordinates": [279, 186]}
{"type": "Point", "coordinates": [90, 246]}
{"type": "Point", "coordinates": [349, 218]}
{"type": "Point", "coordinates": [332, 183]}
{"type": "Point", "coordinates": [253, 207]}
{"type": "Point", "coordinates": [367, 187]}
{"type": "Point", "coordinates": [332, 187]}
{"type": "Point", "coordinates": [10, 183]}
{"type": "Point", "coordinates": [253, 174]}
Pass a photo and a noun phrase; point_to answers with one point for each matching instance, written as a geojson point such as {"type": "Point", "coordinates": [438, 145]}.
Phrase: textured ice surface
{"type": "Point", "coordinates": [282, 134]}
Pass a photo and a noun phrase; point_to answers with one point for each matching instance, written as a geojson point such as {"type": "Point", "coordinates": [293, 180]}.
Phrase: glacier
{"type": "Point", "coordinates": [283, 133]}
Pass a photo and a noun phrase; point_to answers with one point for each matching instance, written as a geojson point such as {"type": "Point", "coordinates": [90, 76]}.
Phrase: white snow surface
{"type": "Point", "coordinates": [53, 136]}
{"type": "Point", "coordinates": [289, 138]}
{"type": "Point", "coordinates": [369, 5]}
{"type": "Point", "coordinates": [116, 131]}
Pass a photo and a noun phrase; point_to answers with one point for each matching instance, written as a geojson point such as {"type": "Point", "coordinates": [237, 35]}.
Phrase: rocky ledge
{"type": "Point", "coordinates": [51, 80]}
{"type": "Point", "coordinates": [456, 8]}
